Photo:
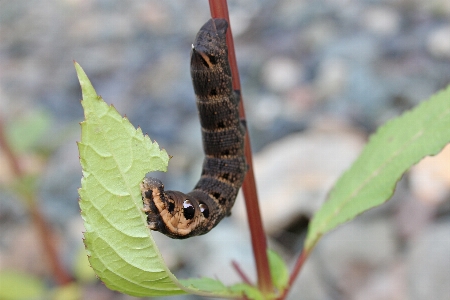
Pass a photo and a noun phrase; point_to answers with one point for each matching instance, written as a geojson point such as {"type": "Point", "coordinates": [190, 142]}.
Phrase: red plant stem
{"type": "Point", "coordinates": [219, 9]}
{"type": "Point", "coordinates": [258, 237]}
{"type": "Point", "coordinates": [13, 161]}
{"type": "Point", "coordinates": [60, 276]}
{"type": "Point", "coordinates": [297, 267]}
{"type": "Point", "coordinates": [241, 273]}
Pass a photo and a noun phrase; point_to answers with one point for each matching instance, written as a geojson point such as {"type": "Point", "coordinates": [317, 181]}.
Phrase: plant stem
{"type": "Point", "coordinates": [219, 9]}
{"type": "Point", "coordinates": [297, 267]}
{"type": "Point", "coordinates": [241, 273]}
{"type": "Point", "coordinates": [60, 276]}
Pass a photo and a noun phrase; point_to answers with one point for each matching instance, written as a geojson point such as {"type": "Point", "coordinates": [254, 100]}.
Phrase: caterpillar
{"type": "Point", "coordinates": [180, 215]}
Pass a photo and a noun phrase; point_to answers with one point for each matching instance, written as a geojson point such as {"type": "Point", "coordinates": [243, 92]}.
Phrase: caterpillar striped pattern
{"type": "Point", "coordinates": [180, 215]}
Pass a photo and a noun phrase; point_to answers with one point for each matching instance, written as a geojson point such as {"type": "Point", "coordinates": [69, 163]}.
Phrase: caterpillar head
{"type": "Point", "coordinates": [172, 213]}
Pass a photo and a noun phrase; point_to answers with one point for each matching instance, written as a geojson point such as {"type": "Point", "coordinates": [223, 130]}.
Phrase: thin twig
{"type": "Point", "coordinates": [219, 9]}
{"type": "Point", "coordinates": [297, 267]}
{"type": "Point", "coordinates": [241, 273]}
{"type": "Point", "coordinates": [60, 276]}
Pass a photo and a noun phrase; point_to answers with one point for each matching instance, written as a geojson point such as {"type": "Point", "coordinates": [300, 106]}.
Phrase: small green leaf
{"type": "Point", "coordinates": [250, 292]}
{"type": "Point", "coordinates": [17, 286]}
{"type": "Point", "coordinates": [394, 148]}
{"type": "Point", "coordinates": [278, 270]}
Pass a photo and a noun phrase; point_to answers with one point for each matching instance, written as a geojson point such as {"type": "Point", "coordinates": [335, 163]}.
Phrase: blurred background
{"type": "Point", "coordinates": [318, 77]}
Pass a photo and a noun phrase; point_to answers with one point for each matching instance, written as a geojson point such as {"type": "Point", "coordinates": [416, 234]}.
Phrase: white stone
{"type": "Point", "coordinates": [438, 43]}
{"type": "Point", "coordinates": [382, 20]}
{"type": "Point", "coordinates": [281, 74]}
{"type": "Point", "coordinates": [331, 78]}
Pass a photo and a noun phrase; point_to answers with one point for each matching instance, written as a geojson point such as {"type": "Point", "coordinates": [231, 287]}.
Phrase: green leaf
{"type": "Point", "coordinates": [17, 286]}
{"type": "Point", "coordinates": [394, 148]}
{"type": "Point", "coordinates": [114, 158]}
{"type": "Point", "coordinates": [278, 270]}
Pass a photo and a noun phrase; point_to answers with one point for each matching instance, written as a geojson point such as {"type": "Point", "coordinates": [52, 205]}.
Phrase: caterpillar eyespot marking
{"type": "Point", "coordinates": [180, 215]}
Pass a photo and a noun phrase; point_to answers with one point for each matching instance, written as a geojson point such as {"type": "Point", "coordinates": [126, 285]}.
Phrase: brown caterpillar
{"type": "Point", "coordinates": [180, 215]}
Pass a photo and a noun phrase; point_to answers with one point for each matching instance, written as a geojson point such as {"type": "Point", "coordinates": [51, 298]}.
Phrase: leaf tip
{"type": "Point", "coordinates": [87, 90]}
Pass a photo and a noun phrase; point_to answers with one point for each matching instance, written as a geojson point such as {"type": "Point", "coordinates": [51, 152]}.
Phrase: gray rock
{"type": "Point", "coordinates": [428, 263]}
{"type": "Point", "coordinates": [294, 175]}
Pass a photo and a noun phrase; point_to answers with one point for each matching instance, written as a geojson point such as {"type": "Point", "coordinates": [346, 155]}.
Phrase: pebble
{"type": "Point", "coordinates": [269, 108]}
{"type": "Point", "coordinates": [281, 74]}
{"type": "Point", "coordinates": [438, 43]}
{"type": "Point", "coordinates": [332, 78]}
{"type": "Point", "coordinates": [382, 20]}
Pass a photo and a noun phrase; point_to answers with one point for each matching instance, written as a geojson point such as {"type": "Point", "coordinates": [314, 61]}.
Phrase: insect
{"type": "Point", "coordinates": [180, 215]}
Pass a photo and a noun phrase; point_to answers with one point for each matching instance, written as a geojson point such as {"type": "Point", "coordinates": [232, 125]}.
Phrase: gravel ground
{"type": "Point", "coordinates": [317, 76]}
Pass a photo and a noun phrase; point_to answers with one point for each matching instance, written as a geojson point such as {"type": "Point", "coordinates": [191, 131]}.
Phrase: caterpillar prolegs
{"type": "Point", "coordinates": [180, 215]}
